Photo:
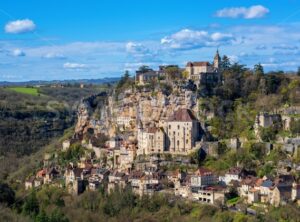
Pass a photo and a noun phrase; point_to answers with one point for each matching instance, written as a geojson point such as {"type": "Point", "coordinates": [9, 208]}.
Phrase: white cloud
{"type": "Point", "coordinates": [285, 47]}
{"type": "Point", "coordinates": [18, 53]}
{"type": "Point", "coordinates": [261, 47]}
{"type": "Point", "coordinates": [233, 58]}
{"type": "Point", "coordinates": [69, 65]}
{"type": "Point", "coordinates": [255, 11]}
{"type": "Point", "coordinates": [140, 52]}
{"type": "Point", "coordinates": [53, 56]}
{"type": "Point", "coordinates": [20, 26]}
{"type": "Point", "coordinates": [190, 39]}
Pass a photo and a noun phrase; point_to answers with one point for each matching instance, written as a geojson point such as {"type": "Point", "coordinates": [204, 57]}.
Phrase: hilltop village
{"type": "Point", "coordinates": [162, 131]}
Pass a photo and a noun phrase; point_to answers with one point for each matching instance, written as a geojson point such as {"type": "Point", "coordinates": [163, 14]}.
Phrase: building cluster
{"type": "Point", "coordinates": [201, 185]}
{"type": "Point", "coordinates": [201, 72]}
{"type": "Point", "coordinates": [145, 134]}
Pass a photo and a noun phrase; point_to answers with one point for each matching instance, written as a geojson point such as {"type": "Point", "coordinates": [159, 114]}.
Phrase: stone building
{"type": "Point", "coordinates": [183, 130]}
{"type": "Point", "coordinates": [144, 77]}
{"type": "Point", "coordinates": [264, 120]}
{"type": "Point", "coordinates": [74, 180]}
{"type": "Point", "coordinates": [203, 177]}
{"type": "Point", "coordinates": [204, 72]}
{"type": "Point", "coordinates": [151, 140]}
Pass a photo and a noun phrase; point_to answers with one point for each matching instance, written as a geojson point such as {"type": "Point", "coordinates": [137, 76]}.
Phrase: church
{"type": "Point", "coordinates": [203, 72]}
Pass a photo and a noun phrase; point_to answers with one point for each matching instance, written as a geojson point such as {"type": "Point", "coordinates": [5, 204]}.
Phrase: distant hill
{"type": "Point", "coordinates": [71, 81]}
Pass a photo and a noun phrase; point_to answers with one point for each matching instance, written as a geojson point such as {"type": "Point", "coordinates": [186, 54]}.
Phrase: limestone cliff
{"type": "Point", "coordinates": [132, 109]}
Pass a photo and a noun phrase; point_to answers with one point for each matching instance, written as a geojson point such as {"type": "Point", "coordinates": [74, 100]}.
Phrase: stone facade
{"type": "Point", "coordinates": [183, 130]}
{"type": "Point", "coordinates": [204, 72]}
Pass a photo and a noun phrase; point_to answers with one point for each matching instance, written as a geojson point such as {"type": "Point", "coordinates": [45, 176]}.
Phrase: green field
{"type": "Point", "coordinates": [25, 90]}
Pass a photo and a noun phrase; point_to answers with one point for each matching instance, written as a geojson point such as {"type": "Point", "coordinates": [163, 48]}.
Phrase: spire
{"type": "Point", "coordinates": [217, 60]}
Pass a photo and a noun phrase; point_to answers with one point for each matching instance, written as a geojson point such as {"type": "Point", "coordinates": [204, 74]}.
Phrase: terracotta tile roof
{"type": "Point", "coordinates": [235, 171]}
{"type": "Point", "coordinates": [41, 173]}
{"type": "Point", "coordinates": [203, 172]}
{"type": "Point", "coordinates": [189, 64]}
{"type": "Point", "coordinates": [183, 115]}
{"type": "Point", "coordinates": [136, 175]}
{"type": "Point", "coordinates": [249, 180]}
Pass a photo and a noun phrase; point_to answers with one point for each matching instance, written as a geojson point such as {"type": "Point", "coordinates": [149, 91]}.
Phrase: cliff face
{"type": "Point", "coordinates": [91, 113]}
{"type": "Point", "coordinates": [106, 115]}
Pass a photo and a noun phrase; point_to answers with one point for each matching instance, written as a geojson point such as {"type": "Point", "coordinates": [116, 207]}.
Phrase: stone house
{"type": "Point", "coordinates": [100, 173]}
{"type": "Point", "coordinates": [29, 183]}
{"type": "Point", "coordinates": [94, 185]}
{"type": "Point", "coordinates": [114, 142]}
{"type": "Point", "coordinates": [233, 174]}
{"type": "Point", "coordinates": [124, 121]}
{"type": "Point", "coordinates": [117, 178]}
{"type": "Point", "coordinates": [143, 78]}
{"type": "Point", "coordinates": [247, 189]}
{"type": "Point", "coordinates": [51, 174]}
{"type": "Point", "coordinates": [209, 194]}
{"type": "Point", "coordinates": [264, 120]}
{"type": "Point", "coordinates": [281, 195]}
{"type": "Point", "coordinates": [295, 192]}
{"type": "Point", "coordinates": [66, 145]}
{"type": "Point", "coordinates": [38, 182]}
{"type": "Point", "coordinates": [74, 180]}
{"type": "Point", "coordinates": [127, 156]}
{"type": "Point", "coordinates": [151, 140]}
{"type": "Point", "coordinates": [203, 177]}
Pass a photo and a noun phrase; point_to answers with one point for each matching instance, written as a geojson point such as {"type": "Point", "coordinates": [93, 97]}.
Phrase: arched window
{"type": "Point", "coordinates": [177, 142]}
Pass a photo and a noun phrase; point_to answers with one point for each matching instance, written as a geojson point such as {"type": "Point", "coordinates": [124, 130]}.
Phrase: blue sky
{"type": "Point", "coordinates": [74, 39]}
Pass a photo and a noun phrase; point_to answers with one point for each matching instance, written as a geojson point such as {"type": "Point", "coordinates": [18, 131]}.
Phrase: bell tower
{"type": "Point", "coordinates": [217, 60]}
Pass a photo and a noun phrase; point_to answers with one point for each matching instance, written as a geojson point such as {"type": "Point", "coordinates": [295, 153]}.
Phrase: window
{"type": "Point", "coordinates": [169, 126]}
{"type": "Point", "coordinates": [177, 142]}
{"type": "Point", "coordinates": [187, 141]}
{"type": "Point", "coordinates": [178, 127]}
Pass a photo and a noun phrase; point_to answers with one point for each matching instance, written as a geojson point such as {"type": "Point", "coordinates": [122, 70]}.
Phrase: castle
{"type": "Point", "coordinates": [203, 72]}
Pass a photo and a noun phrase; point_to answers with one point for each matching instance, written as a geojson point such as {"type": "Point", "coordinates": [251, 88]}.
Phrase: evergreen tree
{"type": "Point", "coordinates": [31, 205]}
{"type": "Point", "coordinates": [225, 63]}
{"type": "Point", "coordinates": [298, 71]}
{"type": "Point", "coordinates": [41, 217]}
{"type": "Point", "coordinates": [258, 70]}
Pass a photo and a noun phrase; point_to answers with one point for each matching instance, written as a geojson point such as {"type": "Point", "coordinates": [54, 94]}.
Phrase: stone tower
{"type": "Point", "coordinates": [217, 60]}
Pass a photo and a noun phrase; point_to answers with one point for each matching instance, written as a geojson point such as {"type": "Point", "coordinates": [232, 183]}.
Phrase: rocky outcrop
{"type": "Point", "coordinates": [131, 110]}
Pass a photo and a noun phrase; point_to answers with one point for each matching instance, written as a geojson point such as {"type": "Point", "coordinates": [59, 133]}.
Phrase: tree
{"type": "Point", "coordinates": [298, 71]}
{"type": "Point", "coordinates": [172, 72]}
{"type": "Point", "coordinates": [185, 74]}
{"type": "Point", "coordinates": [41, 217]}
{"type": "Point", "coordinates": [7, 195]}
{"type": "Point", "coordinates": [295, 126]}
{"type": "Point", "coordinates": [31, 205]}
{"type": "Point", "coordinates": [144, 68]}
{"type": "Point", "coordinates": [225, 63]}
{"type": "Point", "coordinates": [267, 134]}
{"type": "Point", "coordinates": [258, 70]}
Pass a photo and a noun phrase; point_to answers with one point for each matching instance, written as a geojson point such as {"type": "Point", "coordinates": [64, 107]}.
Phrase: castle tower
{"type": "Point", "coordinates": [217, 60]}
